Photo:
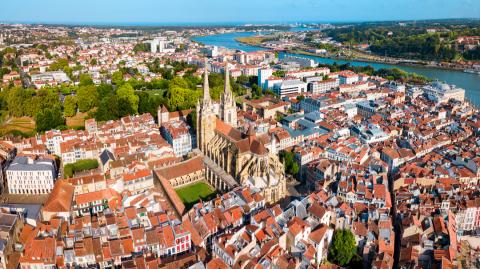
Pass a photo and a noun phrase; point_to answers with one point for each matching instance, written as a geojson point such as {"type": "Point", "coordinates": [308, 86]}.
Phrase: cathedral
{"type": "Point", "coordinates": [242, 155]}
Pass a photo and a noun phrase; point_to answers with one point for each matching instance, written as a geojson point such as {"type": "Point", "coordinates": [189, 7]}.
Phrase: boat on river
{"type": "Point", "coordinates": [472, 71]}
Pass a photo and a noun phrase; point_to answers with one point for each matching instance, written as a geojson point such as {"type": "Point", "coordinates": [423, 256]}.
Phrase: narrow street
{"type": "Point", "coordinates": [396, 223]}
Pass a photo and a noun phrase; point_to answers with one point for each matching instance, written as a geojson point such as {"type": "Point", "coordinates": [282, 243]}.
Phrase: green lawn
{"type": "Point", "coordinates": [190, 194]}
{"type": "Point", "coordinates": [71, 168]}
{"type": "Point", "coordinates": [154, 93]}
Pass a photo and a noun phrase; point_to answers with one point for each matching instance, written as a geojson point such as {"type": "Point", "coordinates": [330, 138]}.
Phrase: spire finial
{"type": "Point", "coordinates": [206, 89]}
{"type": "Point", "coordinates": [226, 88]}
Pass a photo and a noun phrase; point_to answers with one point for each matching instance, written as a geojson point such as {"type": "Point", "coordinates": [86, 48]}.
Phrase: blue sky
{"type": "Point", "coordinates": [221, 11]}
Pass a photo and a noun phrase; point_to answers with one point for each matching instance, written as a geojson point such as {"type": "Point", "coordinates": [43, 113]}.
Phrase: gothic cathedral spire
{"type": "Point", "coordinates": [228, 107]}
{"type": "Point", "coordinates": [206, 118]}
{"type": "Point", "coordinates": [226, 88]}
{"type": "Point", "coordinates": [206, 88]}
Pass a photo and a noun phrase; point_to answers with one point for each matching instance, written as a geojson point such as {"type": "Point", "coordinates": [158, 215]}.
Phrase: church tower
{"type": "Point", "coordinates": [228, 108]}
{"type": "Point", "coordinates": [162, 115]}
{"type": "Point", "coordinates": [206, 118]}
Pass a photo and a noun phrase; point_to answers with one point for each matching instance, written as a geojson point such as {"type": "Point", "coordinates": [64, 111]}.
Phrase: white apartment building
{"type": "Point", "coordinates": [372, 133]}
{"type": "Point", "coordinates": [442, 92]}
{"type": "Point", "coordinates": [323, 86]}
{"type": "Point", "coordinates": [302, 61]}
{"type": "Point", "coordinates": [272, 82]}
{"type": "Point", "coordinates": [139, 181]}
{"type": "Point", "coordinates": [177, 134]}
{"type": "Point", "coordinates": [49, 78]}
{"type": "Point", "coordinates": [348, 77]}
{"type": "Point", "coordinates": [263, 75]}
{"type": "Point", "coordinates": [290, 87]}
{"type": "Point", "coordinates": [26, 175]}
{"type": "Point", "coordinates": [301, 74]}
{"type": "Point", "coordinates": [356, 87]}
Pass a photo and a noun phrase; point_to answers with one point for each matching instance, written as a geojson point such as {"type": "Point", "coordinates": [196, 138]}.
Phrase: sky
{"type": "Point", "coordinates": [231, 11]}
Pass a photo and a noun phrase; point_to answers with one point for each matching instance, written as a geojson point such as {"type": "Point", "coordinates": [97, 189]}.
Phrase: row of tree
{"type": "Point", "coordinates": [424, 46]}
{"type": "Point", "coordinates": [388, 73]}
{"type": "Point", "coordinates": [411, 42]}
{"type": "Point", "coordinates": [50, 106]}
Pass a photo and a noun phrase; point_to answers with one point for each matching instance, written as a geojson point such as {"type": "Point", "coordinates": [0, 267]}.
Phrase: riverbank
{"type": "Point", "coordinates": [252, 41]}
{"type": "Point", "coordinates": [456, 76]}
{"type": "Point", "coordinates": [401, 62]}
{"type": "Point", "coordinates": [257, 41]}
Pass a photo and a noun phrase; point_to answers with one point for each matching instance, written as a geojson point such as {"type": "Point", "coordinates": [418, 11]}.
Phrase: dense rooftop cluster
{"type": "Point", "coordinates": [391, 168]}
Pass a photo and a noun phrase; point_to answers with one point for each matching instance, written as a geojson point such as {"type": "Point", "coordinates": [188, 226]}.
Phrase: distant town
{"type": "Point", "coordinates": [140, 147]}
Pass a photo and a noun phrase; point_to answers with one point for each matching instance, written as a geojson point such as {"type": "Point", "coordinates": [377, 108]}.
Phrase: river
{"type": "Point", "coordinates": [470, 82]}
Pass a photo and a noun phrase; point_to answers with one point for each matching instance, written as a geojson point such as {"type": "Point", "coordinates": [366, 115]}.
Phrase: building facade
{"type": "Point", "coordinates": [27, 175]}
{"type": "Point", "coordinates": [177, 134]}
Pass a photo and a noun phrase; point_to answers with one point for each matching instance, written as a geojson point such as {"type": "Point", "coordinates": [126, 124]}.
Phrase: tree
{"type": "Point", "coordinates": [215, 92]}
{"type": "Point", "coordinates": [85, 80]}
{"type": "Point", "coordinates": [117, 78]}
{"type": "Point", "coordinates": [126, 92]}
{"type": "Point", "coordinates": [215, 80]}
{"type": "Point", "coordinates": [294, 169]}
{"type": "Point", "coordinates": [343, 247]}
{"type": "Point", "coordinates": [70, 106]}
{"type": "Point", "coordinates": [48, 119]}
{"type": "Point", "coordinates": [16, 98]}
{"type": "Point", "coordinates": [108, 108]}
{"type": "Point", "coordinates": [125, 107]}
{"type": "Point", "coordinates": [279, 73]}
{"type": "Point", "coordinates": [166, 73]}
{"type": "Point", "coordinates": [67, 89]}
{"type": "Point", "coordinates": [42, 120]}
{"type": "Point", "coordinates": [104, 90]}
{"type": "Point", "coordinates": [288, 159]}
{"type": "Point", "coordinates": [148, 103]}
{"type": "Point", "coordinates": [39, 100]}
{"type": "Point", "coordinates": [179, 82]}
{"type": "Point", "coordinates": [178, 98]}
{"type": "Point", "coordinates": [87, 98]}
{"type": "Point", "coordinates": [81, 165]}
{"type": "Point", "coordinates": [472, 54]}
{"type": "Point", "coordinates": [242, 79]}
{"type": "Point", "coordinates": [141, 47]}
{"type": "Point", "coordinates": [48, 98]}
{"type": "Point", "coordinates": [256, 91]}
{"type": "Point", "coordinates": [59, 64]}
{"type": "Point", "coordinates": [192, 119]}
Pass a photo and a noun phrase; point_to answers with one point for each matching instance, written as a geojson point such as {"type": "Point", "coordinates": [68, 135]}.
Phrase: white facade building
{"type": "Point", "coordinates": [53, 78]}
{"type": "Point", "coordinates": [177, 134]}
{"type": "Point", "coordinates": [441, 92]}
{"type": "Point", "coordinates": [348, 77]}
{"type": "Point", "coordinates": [263, 75]}
{"type": "Point", "coordinates": [31, 176]}
{"type": "Point", "coordinates": [290, 87]}
{"type": "Point", "coordinates": [302, 61]}
{"type": "Point", "coordinates": [323, 86]}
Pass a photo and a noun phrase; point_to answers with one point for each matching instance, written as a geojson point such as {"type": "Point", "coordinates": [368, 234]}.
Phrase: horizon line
{"type": "Point", "coordinates": [226, 23]}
